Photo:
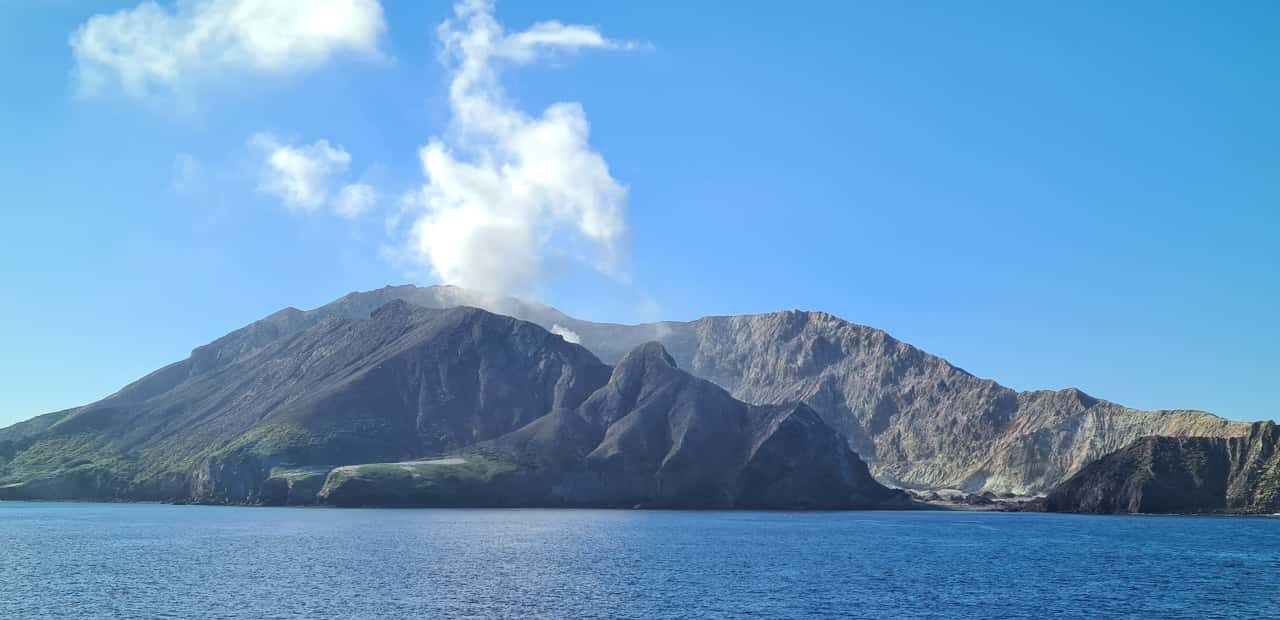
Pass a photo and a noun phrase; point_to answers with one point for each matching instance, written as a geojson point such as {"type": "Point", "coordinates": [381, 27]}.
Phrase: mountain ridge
{"type": "Point", "coordinates": [653, 436]}
{"type": "Point", "coordinates": [351, 411]}
{"type": "Point", "coordinates": [876, 390]}
{"type": "Point", "coordinates": [917, 419]}
{"type": "Point", "coordinates": [307, 392]}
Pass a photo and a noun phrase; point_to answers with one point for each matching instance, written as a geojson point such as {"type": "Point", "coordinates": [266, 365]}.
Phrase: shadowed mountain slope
{"type": "Point", "coordinates": [299, 409]}
{"type": "Point", "coordinates": [915, 418]}
{"type": "Point", "coordinates": [1180, 475]}
{"type": "Point", "coordinates": [654, 436]}
{"type": "Point", "coordinates": [405, 382]}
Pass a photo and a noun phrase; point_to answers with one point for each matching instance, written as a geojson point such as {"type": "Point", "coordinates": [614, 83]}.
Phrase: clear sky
{"type": "Point", "coordinates": [1050, 195]}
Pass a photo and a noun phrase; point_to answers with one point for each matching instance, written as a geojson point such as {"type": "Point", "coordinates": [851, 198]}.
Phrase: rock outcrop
{"type": "Point", "coordinates": [653, 436]}
{"type": "Point", "coordinates": [1179, 475]}
{"type": "Point", "coordinates": [918, 420]}
{"type": "Point", "coordinates": [673, 439]}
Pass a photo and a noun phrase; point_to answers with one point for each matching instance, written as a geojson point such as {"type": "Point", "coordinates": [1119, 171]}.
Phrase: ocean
{"type": "Point", "coordinates": [70, 560]}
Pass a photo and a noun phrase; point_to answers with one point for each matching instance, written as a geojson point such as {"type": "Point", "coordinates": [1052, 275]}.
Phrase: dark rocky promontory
{"type": "Point", "coordinates": [1179, 475]}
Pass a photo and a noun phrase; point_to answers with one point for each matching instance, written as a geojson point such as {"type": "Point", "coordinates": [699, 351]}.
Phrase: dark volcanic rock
{"type": "Point", "coordinates": [1179, 475]}
{"type": "Point", "coordinates": [298, 411]}
{"type": "Point", "coordinates": [671, 439]}
{"type": "Point", "coordinates": [657, 436]}
{"type": "Point", "coordinates": [917, 420]}
{"type": "Point", "coordinates": [405, 382]}
{"type": "Point", "coordinates": [375, 376]}
{"type": "Point", "coordinates": [796, 459]}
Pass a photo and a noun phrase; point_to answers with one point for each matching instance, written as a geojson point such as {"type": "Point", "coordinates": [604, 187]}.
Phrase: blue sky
{"type": "Point", "coordinates": [1082, 195]}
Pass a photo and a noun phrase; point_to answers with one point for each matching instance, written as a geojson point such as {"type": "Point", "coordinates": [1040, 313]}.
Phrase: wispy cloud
{"type": "Point", "coordinates": [303, 176]}
{"type": "Point", "coordinates": [505, 189]}
{"type": "Point", "coordinates": [355, 199]}
{"type": "Point", "coordinates": [152, 49]}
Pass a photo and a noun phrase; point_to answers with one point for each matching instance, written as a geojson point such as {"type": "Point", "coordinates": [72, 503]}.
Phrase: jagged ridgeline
{"type": "Point", "coordinates": [418, 406]}
{"type": "Point", "coordinates": [400, 396]}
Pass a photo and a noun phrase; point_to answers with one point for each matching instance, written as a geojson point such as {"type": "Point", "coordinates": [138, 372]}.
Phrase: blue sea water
{"type": "Point", "coordinates": [157, 561]}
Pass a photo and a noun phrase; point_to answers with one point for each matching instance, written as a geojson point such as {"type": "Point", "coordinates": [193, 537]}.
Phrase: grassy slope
{"type": "Point", "coordinates": [475, 481]}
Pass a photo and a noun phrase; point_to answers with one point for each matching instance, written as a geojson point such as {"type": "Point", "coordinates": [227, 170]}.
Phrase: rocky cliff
{"type": "Point", "coordinates": [919, 421]}
{"type": "Point", "coordinates": [653, 436]}
{"type": "Point", "coordinates": [916, 419]}
{"type": "Point", "coordinates": [1179, 475]}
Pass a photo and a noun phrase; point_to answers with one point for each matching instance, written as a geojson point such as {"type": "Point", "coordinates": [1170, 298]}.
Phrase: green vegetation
{"type": "Point", "coordinates": [87, 456]}
{"type": "Point", "coordinates": [272, 438]}
{"type": "Point", "coordinates": [293, 485]}
{"type": "Point", "coordinates": [160, 471]}
{"type": "Point", "coordinates": [59, 456]}
{"type": "Point", "coordinates": [466, 480]}
{"type": "Point", "coordinates": [470, 469]}
{"type": "Point", "coordinates": [299, 474]}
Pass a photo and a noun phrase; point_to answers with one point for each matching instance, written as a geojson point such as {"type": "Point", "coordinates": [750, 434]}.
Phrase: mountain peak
{"type": "Point", "coordinates": [648, 355]}
{"type": "Point", "coordinates": [395, 307]}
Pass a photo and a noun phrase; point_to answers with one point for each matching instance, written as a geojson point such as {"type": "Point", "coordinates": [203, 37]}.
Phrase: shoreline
{"type": "Point", "coordinates": [922, 507]}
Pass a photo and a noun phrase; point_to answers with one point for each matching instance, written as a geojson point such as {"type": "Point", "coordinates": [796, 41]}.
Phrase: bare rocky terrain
{"type": "Point", "coordinates": [919, 421]}
{"type": "Point", "coordinates": [653, 436]}
{"type": "Point", "coordinates": [300, 409]}
{"type": "Point", "coordinates": [1179, 475]}
{"type": "Point", "coordinates": [402, 374]}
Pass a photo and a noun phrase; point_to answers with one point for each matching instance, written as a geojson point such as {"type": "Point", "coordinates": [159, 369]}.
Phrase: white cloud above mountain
{"type": "Point", "coordinates": [510, 196]}
{"type": "Point", "coordinates": [151, 49]}
{"type": "Point", "coordinates": [304, 176]}
{"type": "Point", "coordinates": [355, 200]}
{"type": "Point", "coordinates": [505, 189]}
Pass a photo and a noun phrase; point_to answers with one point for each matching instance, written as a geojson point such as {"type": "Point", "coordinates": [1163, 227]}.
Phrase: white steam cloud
{"type": "Point", "coordinates": [150, 49]}
{"type": "Point", "coordinates": [568, 334]}
{"type": "Point", "coordinates": [504, 190]}
{"type": "Point", "coordinates": [302, 177]}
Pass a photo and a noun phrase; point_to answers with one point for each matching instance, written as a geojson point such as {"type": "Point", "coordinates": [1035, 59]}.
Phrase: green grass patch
{"type": "Point", "coordinates": [273, 438]}
{"type": "Point", "coordinates": [56, 456]}
{"type": "Point", "coordinates": [299, 474]}
{"type": "Point", "coordinates": [460, 481]}
{"type": "Point", "coordinates": [471, 468]}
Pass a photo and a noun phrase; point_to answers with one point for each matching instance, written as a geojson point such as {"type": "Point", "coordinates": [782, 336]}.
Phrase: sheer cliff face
{"type": "Point", "coordinates": [918, 420]}
{"type": "Point", "coordinates": [1180, 474]}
